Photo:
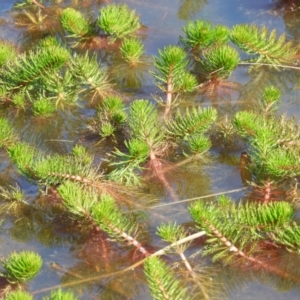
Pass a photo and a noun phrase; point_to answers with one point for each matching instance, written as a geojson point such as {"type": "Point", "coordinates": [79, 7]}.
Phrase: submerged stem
{"type": "Point", "coordinates": [130, 268]}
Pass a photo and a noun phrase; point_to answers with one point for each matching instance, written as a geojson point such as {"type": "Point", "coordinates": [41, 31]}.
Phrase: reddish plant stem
{"type": "Point", "coordinates": [156, 166]}
{"type": "Point", "coordinates": [234, 249]}
{"type": "Point", "coordinates": [130, 239]}
{"type": "Point", "coordinates": [38, 4]}
{"type": "Point", "coordinates": [73, 177]}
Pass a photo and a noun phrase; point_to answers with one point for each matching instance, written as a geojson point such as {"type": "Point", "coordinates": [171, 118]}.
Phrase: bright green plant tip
{"type": "Point", "coordinates": [118, 20]}
{"type": "Point", "coordinates": [162, 281]}
{"type": "Point", "coordinates": [18, 295]}
{"type": "Point", "coordinates": [60, 295]}
{"type": "Point", "coordinates": [131, 50]}
{"type": "Point", "coordinates": [23, 266]}
{"type": "Point", "coordinates": [74, 22]}
{"type": "Point", "coordinates": [7, 52]}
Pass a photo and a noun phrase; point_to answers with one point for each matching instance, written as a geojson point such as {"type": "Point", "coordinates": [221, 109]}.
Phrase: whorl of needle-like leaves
{"type": "Point", "coordinates": [57, 168]}
{"type": "Point", "coordinates": [18, 295]}
{"type": "Point", "coordinates": [144, 124]}
{"type": "Point", "coordinates": [48, 41]}
{"type": "Point", "coordinates": [194, 121]}
{"type": "Point", "coordinates": [289, 236]}
{"type": "Point", "coordinates": [118, 20]}
{"type": "Point", "coordinates": [110, 218]}
{"type": "Point", "coordinates": [89, 74]}
{"type": "Point", "coordinates": [219, 62]}
{"type": "Point", "coordinates": [110, 115]}
{"type": "Point", "coordinates": [24, 157]}
{"type": "Point", "coordinates": [131, 50]}
{"type": "Point", "coordinates": [8, 51]}
{"type": "Point", "coordinates": [264, 44]}
{"type": "Point", "coordinates": [272, 144]}
{"type": "Point", "coordinates": [7, 135]}
{"type": "Point", "coordinates": [270, 98]}
{"type": "Point", "coordinates": [74, 23]}
{"type": "Point", "coordinates": [240, 225]}
{"type": "Point", "coordinates": [200, 34]}
{"type": "Point", "coordinates": [29, 67]}
{"type": "Point", "coordinates": [172, 72]}
{"type": "Point", "coordinates": [198, 143]}
{"type": "Point", "coordinates": [22, 267]}
{"type": "Point", "coordinates": [172, 233]}
{"type": "Point", "coordinates": [162, 281]}
{"type": "Point", "coordinates": [52, 169]}
{"type": "Point", "coordinates": [128, 165]}
{"type": "Point", "coordinates": [77, 199]}
{"type": "Point", "coordinates": [61, 295]}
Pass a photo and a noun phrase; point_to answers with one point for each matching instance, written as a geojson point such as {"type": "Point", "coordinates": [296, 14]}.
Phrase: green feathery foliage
{"type": "Point", "coordinates": [18, 295]}
{"type": "Point", "coordinates": [264, 44]}
{"type": "Point", "coordinates": [19, 99]}
{"type": "Point", "coordinates": [162, 281]}
{"type": "Point", "coordinates": [60, 295]}
{"type": "Point", "coordinates": [78, 200]}
{"type": "Point", "coordinates": [110, 218]}
{"type": "Point", "coordinates": [24, 156]}
{"type": "Point", "coordinates": [12, 193]}
{"type": "Point", "coordinates": [89, 74]}
{"type": "Point", "coordinates": [289, 236]}
{"type": "Point", "coordinates": [196, 121]}
{"type": "Point", "coordinates": [172, 75]}
{"type": "Point", "coordinates": [49, 41]}
{"type": "Point", "coordinates": [172, 233]}
{"type": "Point", "coordinates": [57, 168]}
{"type": "Point", "coordinates": [118, 20]}
{"type": "Point", "coordinates": [22, 267]}
{"type": "Point", "coordinates": [7, 136]}
{"type": "Point", "coordinates": [219, 62]}
{"type": "Point", "coordinates": [144, 124]}
{"type": "Point", "coordinates": [128, 165]}
{"type": "Point", "coordinates": [132, 50]}
{"type": "Point", "coordinates": [52, 169]}
{"type": "Point", "coordinates": [200, 34]}
{"type": "Point", "coordinates": [110, 115]}
{"type": "Point", "coordinates": [61, 88]}
{"type": "Point", "coordinates": [75, 24]}
{"type": "Point", "coordinates": [270, 99]}
{"type": "Point", "coordinates": [8, 52]}
{"type": "Point", "coordinates": [272, 144]}
{"type": "Point", "coordinates": [242, 226]}
{"type": "Point", "coordinates": [28, 68]}
{"type": "Point", "coordinates": [191, 128]}
{"type": "Point", "coordinates": [198, 143]}
{"type": "Point", "coordinates": [43, 107]}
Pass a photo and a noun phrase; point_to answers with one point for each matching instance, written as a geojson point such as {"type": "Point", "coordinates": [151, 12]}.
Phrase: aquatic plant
{"type": "Point", "coordinates": [109, 202]}
{"type": "Point", "coordinates": [150, 138]}
{"type": "Point", "coordinates": [60, 295]}
{"type": "Point", "coordinates": [200, 35]}
{"type": "Point", "coordinates": [110, 116]}
{"type": "Point", "coordinates": [22, 267]}
{"type": "Point", "coordinates": [131, 50]}
{"type": "Point", "coordinates": [259, 41]}
{"type": "Point", "coordinates": [75, 24]}
{"type": "Point", "coordinates": [172, 75]}
{"type": "Point", "coordinates": [118, 20]}
{"type": "Point", "coordinates": [162, 281]}
{"type": "Point", "coordinates": [18, 295]}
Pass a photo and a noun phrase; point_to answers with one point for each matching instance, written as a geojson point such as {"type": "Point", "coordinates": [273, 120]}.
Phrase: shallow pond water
{"type": "Point", "coordinates": [73, 254]}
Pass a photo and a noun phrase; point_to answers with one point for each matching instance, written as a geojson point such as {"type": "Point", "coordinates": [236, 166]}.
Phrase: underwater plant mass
{"type": "Point", "coordinates": [149, 150]}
